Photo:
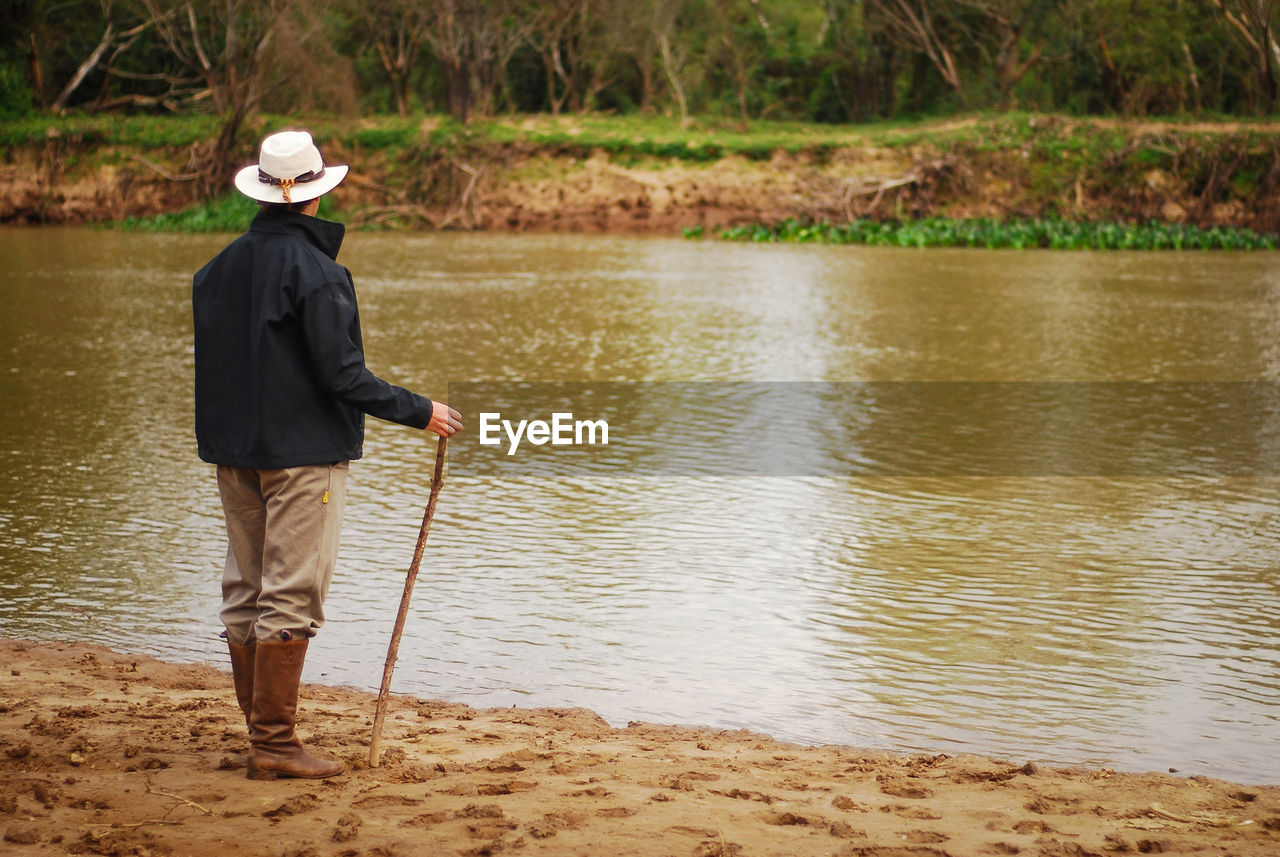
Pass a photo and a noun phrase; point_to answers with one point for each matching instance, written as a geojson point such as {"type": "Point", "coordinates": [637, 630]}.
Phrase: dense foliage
{"type": "Point", "coordinates": [814, 60]}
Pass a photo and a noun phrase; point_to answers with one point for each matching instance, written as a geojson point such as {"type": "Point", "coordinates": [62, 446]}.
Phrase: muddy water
{"type": "Point", "coordinates": [1125, 620]}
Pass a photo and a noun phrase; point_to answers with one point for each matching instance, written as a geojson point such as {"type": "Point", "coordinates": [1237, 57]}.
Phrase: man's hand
{"type": "Point", "coordinates": [445, 421]}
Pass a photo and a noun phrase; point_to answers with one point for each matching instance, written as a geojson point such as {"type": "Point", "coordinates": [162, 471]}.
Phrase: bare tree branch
{"type": "Point", "coordinates": [913, 24]}
{"type": "Point", "coordinates": [90, 63]}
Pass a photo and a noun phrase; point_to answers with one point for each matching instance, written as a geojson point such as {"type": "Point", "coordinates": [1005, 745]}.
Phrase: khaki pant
{"type": "Point", "coordinates": [282, 531]}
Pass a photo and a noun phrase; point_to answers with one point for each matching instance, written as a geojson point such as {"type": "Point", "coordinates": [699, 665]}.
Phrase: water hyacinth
{"type": "Point", "coordinates": [995, 234]}
{"type": "Point", "coordinates": [230, 213]}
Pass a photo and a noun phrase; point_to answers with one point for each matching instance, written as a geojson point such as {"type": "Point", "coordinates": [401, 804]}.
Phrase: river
{"type": "Point", "coordinates": [1125, 619]}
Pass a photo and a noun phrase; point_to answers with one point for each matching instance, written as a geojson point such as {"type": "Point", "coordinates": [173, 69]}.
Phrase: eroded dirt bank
{"type": "Point", "coordinates": [115, 754]}
{"type": "Point", "coordinates": [1078, 169]}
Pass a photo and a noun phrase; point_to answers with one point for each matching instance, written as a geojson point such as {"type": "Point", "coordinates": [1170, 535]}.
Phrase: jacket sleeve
{"type": "Point", "coordinates": [331, 326]}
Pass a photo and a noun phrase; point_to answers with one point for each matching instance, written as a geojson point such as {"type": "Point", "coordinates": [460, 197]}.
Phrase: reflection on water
{"type": "Point", "coordinates": [1126, 620]}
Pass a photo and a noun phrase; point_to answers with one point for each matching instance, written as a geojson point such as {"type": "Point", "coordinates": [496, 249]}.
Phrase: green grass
{"type": "Point", "coordinates": [663, 136]}
{"type": "Point", "coordinates": [993, 234]}
{"type": "Point", "coordinates": [231, 213]}
{"type": "Point", "coordinates": [616, 136]}
{"type": "Point", "coordinates": [141, 131]}
{"type": "Point", "coordinates": [705, 138]}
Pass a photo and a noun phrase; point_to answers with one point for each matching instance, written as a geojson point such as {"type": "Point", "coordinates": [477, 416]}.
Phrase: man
{"type": "Point", "coordinates": [281, 390]}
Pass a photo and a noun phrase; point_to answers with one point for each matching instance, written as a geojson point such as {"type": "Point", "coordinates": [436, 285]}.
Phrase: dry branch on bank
{"type": "Point", "coordinates": [873, 186]}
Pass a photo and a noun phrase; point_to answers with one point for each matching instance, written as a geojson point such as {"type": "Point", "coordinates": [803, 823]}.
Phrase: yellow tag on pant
{"type": "Point", "coordinates": [325, 498]}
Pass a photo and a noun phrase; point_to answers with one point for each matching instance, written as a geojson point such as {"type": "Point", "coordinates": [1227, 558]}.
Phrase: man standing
{"type": "Point", "coordinates": [281, 390]}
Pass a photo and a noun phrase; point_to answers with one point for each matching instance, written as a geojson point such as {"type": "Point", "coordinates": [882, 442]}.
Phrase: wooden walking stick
{"type": "Point", "coordinates": [437, 479]}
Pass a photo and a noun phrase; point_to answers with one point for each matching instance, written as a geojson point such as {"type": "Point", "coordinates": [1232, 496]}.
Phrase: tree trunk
{"type": "Point", "coordinates": [457, 74]}
{"type": "Point", "coordinates": [1263, 44]}
{"type": "Point", "coordinates": [1270, 51]}
{"type": "Point", "coordinates": [1194, 76]}
{"type": "Point", "coordinates": [216, 173]}
{"type": "Point", "coordinates": [402, 95]}
{"type": "Point", "coordinates": [555, 71]}
{"type": "Point", "coordinates": [37, 74]}
{"type": "Point", "coordinates": [673, 77]}
{"type": "Point", "coordinates": [1011, 71]}
{"type": "Point", "coordinates": [398, 65]}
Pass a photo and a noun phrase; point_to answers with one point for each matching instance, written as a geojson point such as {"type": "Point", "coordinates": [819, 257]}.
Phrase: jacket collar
{"type": "Point", "coordinates": [325, 235]}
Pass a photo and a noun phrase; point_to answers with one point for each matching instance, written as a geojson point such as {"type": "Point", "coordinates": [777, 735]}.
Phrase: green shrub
{"type": "Point", "coordinates": [387, 137]}
{"type": "Point", "coordinates": [227, 214]}
{"type": "Point", "coordinates": [15, 93]}
{"type": "Point", "coordinates": [230, 213]}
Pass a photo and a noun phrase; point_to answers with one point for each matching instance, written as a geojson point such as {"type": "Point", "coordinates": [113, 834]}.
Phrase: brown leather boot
{"type": "Point", "coordinates": [274, 748]}
{"type": "Point", "coordinates": [242, 676]}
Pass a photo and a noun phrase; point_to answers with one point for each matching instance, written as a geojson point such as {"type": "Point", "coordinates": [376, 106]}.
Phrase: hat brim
{"type": "Point", "coordinates": [248, 184]}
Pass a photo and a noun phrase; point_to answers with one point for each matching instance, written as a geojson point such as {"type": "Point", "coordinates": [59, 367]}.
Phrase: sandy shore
{"type": "Point", "coordinates": [116, 754]}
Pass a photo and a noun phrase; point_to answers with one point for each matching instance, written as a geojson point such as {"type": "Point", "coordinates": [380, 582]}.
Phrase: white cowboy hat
{"type": "Point", "coordinates": [289, 169]}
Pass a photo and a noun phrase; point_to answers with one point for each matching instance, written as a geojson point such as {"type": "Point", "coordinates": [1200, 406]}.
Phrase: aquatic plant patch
{"type": "Point", "coordinates": [996, 234]}
{"type": "Point", "coordinates": [230, 213]}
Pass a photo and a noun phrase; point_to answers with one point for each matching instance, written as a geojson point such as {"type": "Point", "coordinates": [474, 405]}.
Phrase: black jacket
{"type": "Point", "coordinates": [280, 374]}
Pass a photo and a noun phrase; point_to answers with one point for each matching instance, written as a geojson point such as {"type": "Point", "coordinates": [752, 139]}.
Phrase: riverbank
{"type": "Point", "coordinates": [650, 175]}
{"type": "Point", "coordinates": [116, 754]}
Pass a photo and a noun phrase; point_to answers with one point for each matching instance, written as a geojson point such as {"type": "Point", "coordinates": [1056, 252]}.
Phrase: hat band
{"type": "Point", "coordinates": [286, 184]}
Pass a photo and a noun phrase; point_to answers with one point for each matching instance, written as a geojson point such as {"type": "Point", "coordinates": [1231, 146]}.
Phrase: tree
{"type": "Point", "coordinates": [923, 26]}
{"type": "Point", "coordinates": [558, 35]}
{"type": "Point", "coordinates": [862, 60]}
{"type": "Point", "coordinates": [474, 41]}
{"type": "Point", "coordinates": [43, 45]}
{"type": "Point", "coordinates": [118, 39]}
{"type": "Point", "coordinates": [738, 42]}
{"type": "Point", "coordinates": [628, 44]}
{"type": "Point", "coordinates": [397, 30]}
{"type": "Point", "coordinates": [672, 50]}
{"type": "Point", "coordinates": [225, 43]}
{"type": "Point", "coordinates": [1255, 22]}
{"type": "Point", "coordinates": [1138, 57]}
{"type": "Point", "coordinates": [1000, 35]}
